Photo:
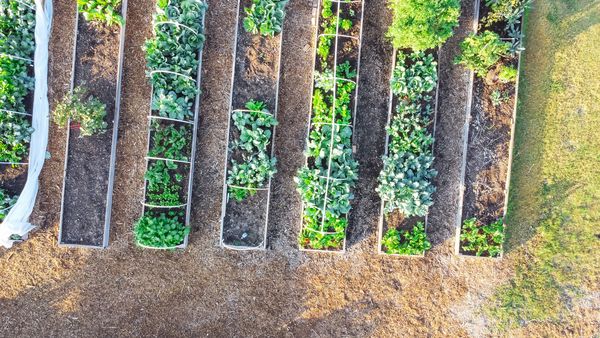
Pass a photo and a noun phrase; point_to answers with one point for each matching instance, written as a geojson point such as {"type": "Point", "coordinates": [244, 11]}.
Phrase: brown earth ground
{"type": "Point", "coordinates": [127, 291]}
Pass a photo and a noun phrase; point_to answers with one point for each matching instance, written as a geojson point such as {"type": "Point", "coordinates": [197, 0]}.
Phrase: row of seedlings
{"type": "Point", "coordinates": [91, 113]}
{"type": "Point", "coordinates": [17, 47]}
{"type": "Point", "coordinates": [253, 112]}
{"type": "Point", "coordinates": [405, 182]}
{"type": "Point", "coordinates": [329, 175]}
{"type": "Point", "coordinates": [173, 57]}
{"type": "Point", "coordinates": [493, 55]}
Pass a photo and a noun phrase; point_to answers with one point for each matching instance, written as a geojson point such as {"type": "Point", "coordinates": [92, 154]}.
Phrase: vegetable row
{"type": "Point", "coordinates": [326, 181]}
{"type": "Point", "coordinates": [172, 57]}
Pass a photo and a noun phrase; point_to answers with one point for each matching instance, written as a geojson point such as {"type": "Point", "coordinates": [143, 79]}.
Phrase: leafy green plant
{"type": "Point", "coordinates": [83, 108]}
{"type": "Point", "coordinates": [327, 203]}
{"type": "Point", "coordinates": [175, 49]}
{"type": "Point", "coordinates": [405, 180]}
{"type": "Point", "coordinates": [406, 242]}
{"type": "Point", "coordinates": [482, 240]}
{"type": "Point", "coordinates": [265, 17]}
{"type": "Point", "coordinates": [6, 202]}
{"type": "Point", "coordinates": [104, 11]}
{"type": "Point", "coordinates": [163, 186]}
{"type": "Point", "coordinates": [170, 142]}
{"type": "Point", "coordinates": [481, 51]}
{"type": "Point", "coordinates": [422, 24]}
{"type": "Point", "coordinates": [255, 130]}
{"type": "Point", "coordinates": [160, 231]}
{"type": "Point", "coordinates": [508, 74]}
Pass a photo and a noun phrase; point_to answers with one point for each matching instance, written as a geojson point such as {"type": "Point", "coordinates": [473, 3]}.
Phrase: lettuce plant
{"type": "Point", "coordinates": [482, 240]}
{"type": "Point", "coordinates": [104, 11]}
{"type": "Point", "coordinates": [255, 129]}
{"type": "Point", "coordinates": [406, 242]}
{"type": "Point", "coordinates": [160, 231]}
{"type": "Point", "coordinates": [265, 17]}
{"type": "Point", "coordinates": [481, 51]}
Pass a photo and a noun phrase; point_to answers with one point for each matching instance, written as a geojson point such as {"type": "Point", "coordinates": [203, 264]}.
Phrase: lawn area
{"type": "Point", "coordinates": [553, 221]}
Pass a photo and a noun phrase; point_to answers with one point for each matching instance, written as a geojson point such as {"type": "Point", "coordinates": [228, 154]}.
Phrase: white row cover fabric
{"type": "Point", "coordinates": [17, 220]}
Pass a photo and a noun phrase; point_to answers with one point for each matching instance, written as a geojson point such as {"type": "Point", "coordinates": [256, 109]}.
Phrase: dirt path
{"type": "Point", "coordinates": [125, 291]}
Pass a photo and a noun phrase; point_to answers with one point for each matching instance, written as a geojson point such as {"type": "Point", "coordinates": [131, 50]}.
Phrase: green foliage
{"type": "Point", "coordinates": [265, 17]}
{"type": "Point", "coordinates": [104, 11]}
{"type": "Point", "coordinates": [329, 25]}
{"type": "Point", "coordinates": [175, 48]}
{"type": "Point", "coordinates": [83, 108]}
{"type": "Point", "coordinates": [6, 202]}
{"type": "Point", "coordinates": [482, 240]}
{"type": "Point", "coordinates": [326, 204]}
{"type": "Point", "coordinates": [161, 231]}
{"type": "Point", "coordinates": [406, 242]}
{"type": "Point", "coordinates": [479, 52]}
{"type": "Point", "coordinates": [170, 142]}
{"type": "Point", "coordinates": [422, 24]}
{"type": "Point", "coordinates": [17, 25]}
{"type": "Point", "coordinates": [255, 130]}
{"type": "Point", "coordinates": [405, 180]}
{"type": "Point", "coordinates": [508, 74]}
{"type": "Point", "coordinates": [508, 11]}
{"type": "Point", "coordinates": [163, 187]}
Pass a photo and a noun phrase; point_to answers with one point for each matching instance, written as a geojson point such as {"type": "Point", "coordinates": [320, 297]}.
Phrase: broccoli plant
{"type": "Point", "coordinates": [104, 11]}
{"type": "Point", "coordinates": [479, 52]}
{"type": "Point", "coordinates": [255, 129]}
{"type": "Point", "coordinates": [482, 240]}
{"type": "Point", "coordinates": [265, 17]}
{"type": "Point", "coordinates": [83, 108]}
{"type": "Point", "coordinates": [422, 24]}
{"type": "Point", "coordinates": [406, 242]}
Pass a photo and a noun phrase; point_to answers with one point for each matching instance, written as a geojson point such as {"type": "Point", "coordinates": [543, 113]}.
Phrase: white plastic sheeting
{"type": "Point", "coordinates": [17, 220]}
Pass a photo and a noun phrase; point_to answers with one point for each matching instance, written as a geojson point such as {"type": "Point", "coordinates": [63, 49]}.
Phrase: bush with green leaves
{"type": "Point", "coordinates": [175, 48]}
{"type": "Point", "coordinates": [406, 242]}
{"type": "Point", "coordinates": [265, 17]}
{"type": "Point", "coordinates": [82, 108]}
{"type": "Point", "coordinates": [164, 230]}
{"type": "Point", "coordinates": [422, 24]}
{"type": "Point", "coordinates": [405, 182]}
{"type": "Point", "coordinates": [6, 202]}
{"type": "Point", "coordinates": [17, 45]}
{"type": "Point", "coordinates": [481, 51]}
{"type": "Point", "coordinates": [482, 240]}
{"type": "Point", "coordinates": [170, 142]}
{"type": "Point", "coordinates": [254, 128]}
{"type": "Point", "coordinates": [329, 152]}
{"type": "Point", "coordinates": [103, 11]}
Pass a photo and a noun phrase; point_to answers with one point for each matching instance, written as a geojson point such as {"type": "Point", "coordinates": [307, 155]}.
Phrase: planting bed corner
{"type": "Point", "coordinates": [327, 180]}
{"type": "Point", "coordinates": [255, 79]}
{"type": "Point", "coordinates": [90, 160]}
{"type": "Point", "coordinates": [174, 61]}
{"type": "Point", "coordinates": [487, 152]}
{"type": "Point", "coordinates": [396, 220]}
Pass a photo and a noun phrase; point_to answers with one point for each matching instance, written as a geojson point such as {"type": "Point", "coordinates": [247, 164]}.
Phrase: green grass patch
{"type": "Point", "coordinates": [553, 233]}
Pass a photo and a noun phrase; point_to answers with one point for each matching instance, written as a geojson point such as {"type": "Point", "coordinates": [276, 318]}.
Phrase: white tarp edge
{"type": "Point", "coordinates": [17, 220]}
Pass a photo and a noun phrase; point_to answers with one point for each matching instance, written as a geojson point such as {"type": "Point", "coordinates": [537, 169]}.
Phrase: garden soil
{"type": "Point", "coordinates": [256, 75]}
{"type": "Point", "coordinates": [205, 290]}
{"type": "Point", "coordinates": [86, 182]}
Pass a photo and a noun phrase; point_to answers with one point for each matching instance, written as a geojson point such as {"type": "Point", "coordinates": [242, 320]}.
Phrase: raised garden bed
{"type": "Point", "coordinates": [489, 133]}
{"type": "Point", "coordinates": [17, 47]}
{"type": "Point", "coordinates": [250, 164]}
{"type": "Point", "coordinates": [90, 159]}
{"type": "Point", "coordinates": [405, 182]}
{"type": "Point", "coordinates": [174, 60]}
{"type": "Point", "coordinates": [326, 181]}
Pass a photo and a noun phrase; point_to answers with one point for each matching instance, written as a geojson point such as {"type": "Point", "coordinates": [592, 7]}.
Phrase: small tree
{"type": "Point", "coordinates": [422, 24]}
{"type": "Point", "coordinates": [481, 51]}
